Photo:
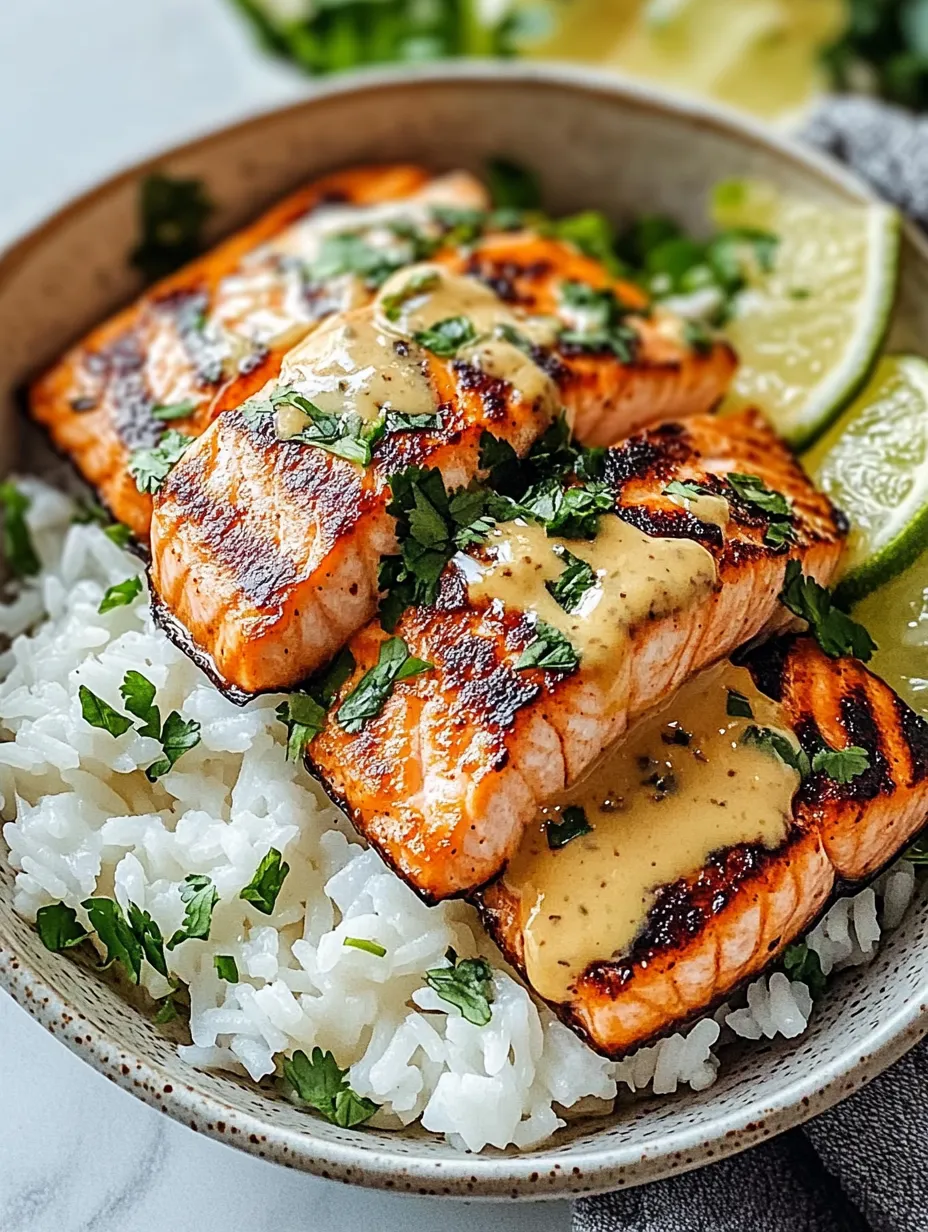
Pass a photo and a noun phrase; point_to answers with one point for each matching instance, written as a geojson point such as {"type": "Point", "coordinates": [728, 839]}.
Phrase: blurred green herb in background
{"type": "Point", "coordinates": [326, 36]}
{"type": "Point", "coordinates": [883, 50]}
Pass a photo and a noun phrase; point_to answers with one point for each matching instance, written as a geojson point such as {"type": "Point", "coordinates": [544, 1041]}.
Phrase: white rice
{"type": "Point", "coordinates": [83, 820]}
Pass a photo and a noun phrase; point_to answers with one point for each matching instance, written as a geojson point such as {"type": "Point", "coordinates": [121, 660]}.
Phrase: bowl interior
{"type": "Point", "coordinates": [596, 143]}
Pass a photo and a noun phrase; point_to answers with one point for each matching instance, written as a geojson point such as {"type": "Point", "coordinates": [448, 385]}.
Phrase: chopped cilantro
{"type": "Point", "coordinates": [602, 317]}
{"type": "Point", "coordinates": [445, 338]}
{"type": "Point", "coordinates": [150, 465]}
{"type": "Point", "coordinates": [572, 512]}
{"type": "Point", "coordinates": [226, 968]}
{"type": "Point", "coordinates": [802, 963]}
{"type": "Point", "coordinates": [304, 719]}
{"type": "Point", "coordinates": [512, 185]}
{"type": "Point", "coordinates": [369, 947]}
{"type": "Point", "coordinates": [347, 436]}
{"type": "Point", "coordinates": [396, 421]}
{"type": "Point", "coordinates": [18, 550]}
{"type": "Point", "coordinates": [121, 595]}
{"type": "Point", "coordinates": [116, 935]}
{"type": "Point", "coordinates": [58, 927]}
{"type": "Point", "coordinates": [753, 491]}
{"type": "Point", "coordinates": [174, 410]}
{"type": "Point", "coordinates": [737, 706]}
{"type": "Point", "coordinates": [593, 233]}
{"type": "Point", "coordinates": [99, 713]}
{"type": "Point", "coordinates": [368, 697]}
{"type": "Point", "coordinates": [570, 589]}
{"type": "Point", "coordinates": [842, 765]}
{"type": "Point", "coordinates": [89, 513]}
{"type": "Point", "coordinates": [572, 825]}
{"type": "Point", "coordinates": [148, 934]}
{"type": "Point", "coordinates": [318, 1081]}
{"type": "Point", "coordinates": [779, 744]}
{"type": "Point", "coordinates": [200, 896]}
{"type": "Point", "coordinates": [264, 887]}
{"type": "Point", "coordinates": [466, 983]}
{"type": "Point", "coordinates": [687, 489]}
{"type": "Point", "coordinates": [350, 253]}
{"type": "Point", "coordinates": [178, 736]}
{"type": "Point", "coordinates": [417, 284]}
{"type": "Point", "coordinates": [119, 534]}
{"type": "Point", "coordinates": [172, 215]}
{"type": "Point", "coordinates": [549, 649]}
{"type": "Point", "coordinates": [834, 630]}
{"type": "Point", "coordinates": [138, 695]}
{"type": "Point", "coordinates": [167, 1011]}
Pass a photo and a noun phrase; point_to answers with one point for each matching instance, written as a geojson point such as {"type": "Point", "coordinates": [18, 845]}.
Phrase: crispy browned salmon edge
{"type": "Point", "coordinates": [778, 651]}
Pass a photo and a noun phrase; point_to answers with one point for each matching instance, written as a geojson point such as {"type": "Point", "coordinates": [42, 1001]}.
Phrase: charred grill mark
{"type": "Point", "coordinates": [188, 311]}
{"type": "Point", "coordinates": [863, 729]}
{"type": "Point", "coordinates": [682, 911]}
{"type": "Point", "coordinates": [494, 393]}
{"type": "Point", "coordinates": [656, 455]}
{"type": "Point", "coordinates": [504, 277]}
{"type": "Point", "coordinates": [120, 370]}
{"type": "Point", "coordinates": [767, 665]}
{"type": "Point", "coordinates": [671, 524]}
{"type": "Point", "coordinates": [914, 730]}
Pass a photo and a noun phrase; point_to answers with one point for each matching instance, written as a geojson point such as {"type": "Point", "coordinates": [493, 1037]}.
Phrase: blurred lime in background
{"type": "Point", "coordinates": [769, 57]}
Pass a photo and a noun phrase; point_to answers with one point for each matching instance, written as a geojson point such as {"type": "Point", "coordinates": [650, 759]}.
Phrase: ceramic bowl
{"type": "Point", "coordinates": [596, 142]}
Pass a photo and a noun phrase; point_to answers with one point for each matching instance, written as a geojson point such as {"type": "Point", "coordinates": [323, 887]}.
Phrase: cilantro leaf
{"type": "Point", "coordinates": [119, 534]}
{"type": "Point", "coordinates": [167, 1011]}
{"type": "Point", "coordinates": [99, 713]}
{"type": "Point", "coordinates": [570, 589]}
{"type": "Point", "coordinates": [200, 896]}
{"type": "Point", "coordinates": [548, 649]}
{"type": "Point", "coordinates": [601, 324]}
{"type": "Point", "coordinates": [572, 512]}
{"type": "Point", "coordinates": [226, 968]}
{"type": "Point", "coordinates": [777, 743]}
{"type": "Point", "coordinates": [834, 630]}
{"type": "Point", "coordinates": [842, 765]}
{"type": "Point", "coordinates": [318, 1081]}
{"type": "Point", "coordinates": [513, 186]}
{"type": "Point", "coordinates": [178, 736]}
{"type": "Point", "coordinates": [466, 983]}
{"type": "Point", "coordinates": [419, 283]}
{"type": "Point", "coordinates": [121, 595]}
{"type": "Point", "coordinates": [116, 934]}
{"type": "Point", "coordinates": [445, 338]}
{"type": "Point", "coordinates": [737, 706]}
{"type": "Point", "coordinates": [138, 694]}
{"type": "Point", "coordinates": [172, 215]}
{"type": "Point", "coordinates": [264, 887]}
{"type": "Point", "coordinates": [304, 719]}
{"type": "Point", "coordinates": [369, 947]}
{"type": "Point", "coordinates": [753, 491]}
{"type": "Point", "coordinates": [18, 550]}
{"type": "Point", "coordinates": [174, 410]}
{"type": "Point", "coordinates": [593, 233]}
{"type": "Point", "coordinates": [802, 963]}
{"type": "Point", "coordinates": [368, 697]}
{"type": "Point", "coordinates": [58, 927]}
{"type": "Point", "coordinates": [687, 489]}
{"type": "Point", "coordinates": [397, 421]}
{"type": "Point", "coordinates": [149, 937]}
{"type": "Point", "coordinates": [572, 825]}
{"type": "Point", "coordinates": [89, 513]}
{"type": "Point", "coordinates": [346, 436]}
{"type": "Point", "coordinates": [150, 465]}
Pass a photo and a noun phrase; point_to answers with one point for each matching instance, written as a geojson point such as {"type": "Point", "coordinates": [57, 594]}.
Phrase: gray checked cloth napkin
{"type": "Point", "coordinates": [863, 1166]}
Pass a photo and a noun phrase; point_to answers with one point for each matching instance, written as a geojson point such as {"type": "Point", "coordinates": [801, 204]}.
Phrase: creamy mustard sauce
{"type": "Point", "coordinates": [349, 365]}
{"type": "Point", "coordinates": [677, 788]}
{"type": "Point", "coordinates": [454, 295]}
{"type": "Point", "coordinates": [638, 578]}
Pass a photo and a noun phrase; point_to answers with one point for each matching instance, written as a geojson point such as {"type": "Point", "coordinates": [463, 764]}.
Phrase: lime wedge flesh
{"type": "Point", "coordinates": [807, 332]}
{"type": "Point", "coordinates": [873, 463]}
{"type": "Point", "coordinates": [896, 616]}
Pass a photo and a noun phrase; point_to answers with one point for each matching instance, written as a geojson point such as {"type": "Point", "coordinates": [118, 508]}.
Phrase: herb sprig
{"type": "Point", "coordinates": [834, 630]}
{"type": "Point", "coordinates": [466, 983]}
{"type": "Point", "coordinates": [318, 1081]}
{"type": "Point", "coordinates": [369, 696]}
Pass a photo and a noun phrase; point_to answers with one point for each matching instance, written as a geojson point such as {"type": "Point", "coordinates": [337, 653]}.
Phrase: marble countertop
{"type": "Point", "coordinates": [85, 87]}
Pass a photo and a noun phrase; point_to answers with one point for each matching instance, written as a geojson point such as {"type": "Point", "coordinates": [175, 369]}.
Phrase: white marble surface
{"type": "Point", "coordinates": [86, 86]}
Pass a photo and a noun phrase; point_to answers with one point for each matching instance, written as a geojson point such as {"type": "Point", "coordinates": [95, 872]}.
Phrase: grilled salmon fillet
{"type": "Point", "coordinates": [216, 331]}
{"type": "Point", "coordinates": [443, 780]}
{"type": "Point", "coordinates": [663, 379]}
{"type": "Point", "coordinates": [265, 553]}
{"type": "Point", "coordinates": [723, 922]}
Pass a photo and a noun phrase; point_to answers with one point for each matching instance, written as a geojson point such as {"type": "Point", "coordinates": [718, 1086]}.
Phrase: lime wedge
{"type": "Point", "coordinates": [807, 331]}
{"type": "Point", "coordinates": [873, 463]}
{"type": "Point", "coordinates": [897, 617]}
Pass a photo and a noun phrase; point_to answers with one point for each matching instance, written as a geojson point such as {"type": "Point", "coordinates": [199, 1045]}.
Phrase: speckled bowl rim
{"type": "Point", "coordinates": [581, 1168]}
